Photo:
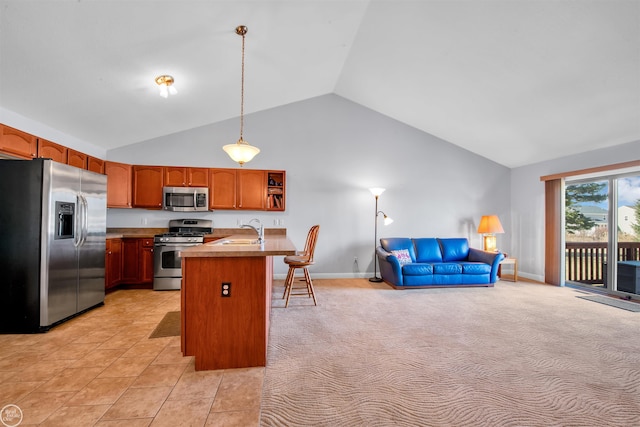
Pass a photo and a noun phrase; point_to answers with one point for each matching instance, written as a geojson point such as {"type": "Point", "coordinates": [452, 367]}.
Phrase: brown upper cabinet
{"type": "Point", "coordinates": [76, 158]}
{"type": "Point", "coordinates": [147, 186]}
{"type": "Point", "coordinates": [247, 189]}
{"type": "Point", "coordinates": [51, 150]}
{"type": "Point", "coordinates": [185, 177]}
{"type": "Point", "coordinates": [95, 165]}
{"type": "Point", "coordinates": [251, 189]}
{"type": "Point", "coordinates": [237, 189]}
{"type": "Point", "coordinates": [118, 184]}
{"type": "Point", "coordinates": [17, 143]}
{"type": "Point", "coordinates": [222, 189]}
{"type": "Point", "coordinates": [141, 186]}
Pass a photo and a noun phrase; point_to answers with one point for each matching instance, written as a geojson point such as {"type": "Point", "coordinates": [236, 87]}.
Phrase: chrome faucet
{"type": "Point", "coordinates": [259, 229]}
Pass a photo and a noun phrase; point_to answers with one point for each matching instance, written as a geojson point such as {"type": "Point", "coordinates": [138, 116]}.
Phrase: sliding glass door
{"type": "Point", "coordinates": [586, 232]}
{"type": "Point", "coordinates": [595, 256]}
{"type": "Point", "coordinates": [628, 235]}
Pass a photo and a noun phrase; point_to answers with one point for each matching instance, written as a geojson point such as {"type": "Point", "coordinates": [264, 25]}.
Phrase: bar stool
{"type": "Point", "coordinates": [302, 260]}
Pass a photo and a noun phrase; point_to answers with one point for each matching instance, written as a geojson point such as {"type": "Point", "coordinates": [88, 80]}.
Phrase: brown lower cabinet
{"type": "Point", "coordinates": [134, 263]}
{"type": "Point", "coordinates": [113, 263]}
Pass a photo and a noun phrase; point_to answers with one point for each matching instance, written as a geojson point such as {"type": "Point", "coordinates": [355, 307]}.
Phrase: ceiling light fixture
{"type": "Point", "coordinates": [166, 85]}
{"type": "Point", "coordinates": [241, 151]}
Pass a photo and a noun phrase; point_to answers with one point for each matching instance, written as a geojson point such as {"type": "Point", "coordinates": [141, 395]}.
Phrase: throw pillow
{"type": "Point", "coordinates": [403, 256]}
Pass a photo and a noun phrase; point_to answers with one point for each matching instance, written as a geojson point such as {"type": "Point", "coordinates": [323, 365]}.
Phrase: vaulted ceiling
{"type": "Point", "coordinates": [517, 82]}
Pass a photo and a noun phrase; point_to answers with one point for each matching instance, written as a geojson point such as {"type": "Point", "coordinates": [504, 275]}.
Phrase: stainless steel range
{"type": "Point", "coordinates": [167, 263]}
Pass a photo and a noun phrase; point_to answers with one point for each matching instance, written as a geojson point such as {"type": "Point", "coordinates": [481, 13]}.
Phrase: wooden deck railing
{"type": "Point", "coordinates": [586, 262]}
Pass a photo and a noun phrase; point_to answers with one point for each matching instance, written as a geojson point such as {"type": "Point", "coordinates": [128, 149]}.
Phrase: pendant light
{"type": "Point", "coordinates": [241, 151]}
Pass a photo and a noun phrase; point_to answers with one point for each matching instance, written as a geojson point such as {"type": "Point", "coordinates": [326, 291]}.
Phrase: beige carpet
{"type": "Point", "coordinates": [518, 354]}
{"type": "Point", "coordinates": [169, 326]}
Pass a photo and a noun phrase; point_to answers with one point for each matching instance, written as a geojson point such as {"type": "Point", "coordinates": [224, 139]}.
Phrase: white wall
{"type": "Point", "coordinates": [333, 150]}
{"type": "Point", "coordinates": [527, 201]}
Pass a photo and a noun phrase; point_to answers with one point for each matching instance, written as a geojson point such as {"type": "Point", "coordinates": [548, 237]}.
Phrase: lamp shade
{"type": "Point", "coordinates": [377, 191]}
{"type": "Point", "coordinates": [490, 224]}
{"type": "Point", "coordinates": [241, 152]}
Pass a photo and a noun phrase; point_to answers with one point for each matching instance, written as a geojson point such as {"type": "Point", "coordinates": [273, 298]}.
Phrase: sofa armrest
{"type": "Point", "coordinates": [390, 268]}
{"type": "Point", "coordinates": [492, 258]}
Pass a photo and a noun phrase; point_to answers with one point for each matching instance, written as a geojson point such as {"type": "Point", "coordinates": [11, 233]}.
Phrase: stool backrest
{"type": "Point", "coordinates": [310, 245]}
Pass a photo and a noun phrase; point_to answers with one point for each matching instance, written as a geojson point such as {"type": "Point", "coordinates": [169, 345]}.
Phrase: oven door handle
{"type": "Point", "coordinates": [177, 245]}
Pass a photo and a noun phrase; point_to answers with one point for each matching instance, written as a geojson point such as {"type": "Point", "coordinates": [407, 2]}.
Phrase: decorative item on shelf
{"type": "Point", "coordinates": [165, 83]}
{"type": "Point", "coordinates": [241, 151]}
{"type": "Point", "coordinates": [377, 192]}
{"type": "Point", "coordinates": [489, 226]}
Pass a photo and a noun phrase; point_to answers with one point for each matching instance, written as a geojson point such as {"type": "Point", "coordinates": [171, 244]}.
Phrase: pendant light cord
{"type": "Point", "coordinates": [242, 92]}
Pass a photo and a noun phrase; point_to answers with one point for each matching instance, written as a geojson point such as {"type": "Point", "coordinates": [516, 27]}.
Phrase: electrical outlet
{"type": "Point", "coordinates": [226, 289]}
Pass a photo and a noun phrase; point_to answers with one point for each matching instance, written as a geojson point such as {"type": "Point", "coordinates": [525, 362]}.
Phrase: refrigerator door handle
{"type": "Point", "coordinates": [85, 220]}
{"type": "Point", "coordinates": [82, 221]}
{"type": "Point", "coordinates": [77, 232]}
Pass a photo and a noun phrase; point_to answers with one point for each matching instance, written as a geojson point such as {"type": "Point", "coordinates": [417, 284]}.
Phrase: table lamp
{"type": "Point", "coordinates": [489, 226]}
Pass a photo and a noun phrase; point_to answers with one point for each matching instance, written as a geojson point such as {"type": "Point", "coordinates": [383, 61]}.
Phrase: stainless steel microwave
{"type": "Point", "coordinates": [185, 199]}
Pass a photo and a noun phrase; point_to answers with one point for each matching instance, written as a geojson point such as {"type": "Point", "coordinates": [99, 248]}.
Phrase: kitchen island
{"type": "Point", "coordinates": [226, 300]}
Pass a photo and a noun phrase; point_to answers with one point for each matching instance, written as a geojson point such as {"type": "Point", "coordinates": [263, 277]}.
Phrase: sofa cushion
{"type": "Point", "coordinates": [396, 243]}
{"type": "Point", "coordinates": [456, 249]}
{"type": "Point", "coordinates": [475, 268]}
{"type": "Point", "coordinates": [447, 268]}
{"type": "Point", "coordinates": [427, 250]}
{"type": "Point", "coordinates": [417, 269]}
{"type": "Point", "coordinates": [403, 256]}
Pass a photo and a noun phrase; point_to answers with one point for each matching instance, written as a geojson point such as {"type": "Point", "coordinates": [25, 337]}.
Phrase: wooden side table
{"type": "Point", "coordinates": [511, 277]}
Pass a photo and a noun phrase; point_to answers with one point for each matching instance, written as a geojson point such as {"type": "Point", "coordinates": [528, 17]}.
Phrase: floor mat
{"type": "Point", "coordinates": [169, 326]}
{"type": "Point", "coordinates": [625, 305]}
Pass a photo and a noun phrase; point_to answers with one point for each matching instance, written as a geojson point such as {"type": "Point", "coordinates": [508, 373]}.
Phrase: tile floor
{"type": "Point", "coordinates": [101, 369]}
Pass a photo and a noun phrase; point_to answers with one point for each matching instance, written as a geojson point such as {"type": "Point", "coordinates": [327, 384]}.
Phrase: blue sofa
{"type": "Point", "coordinates": [432, 262]}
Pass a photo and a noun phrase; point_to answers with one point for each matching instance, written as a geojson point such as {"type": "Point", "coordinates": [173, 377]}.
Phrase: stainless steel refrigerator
{"type": "Point", "coordinates": [52, 243]}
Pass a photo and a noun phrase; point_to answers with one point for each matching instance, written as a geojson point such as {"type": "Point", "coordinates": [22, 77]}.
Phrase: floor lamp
{"type": "Point", "coordinates": [376, 193]}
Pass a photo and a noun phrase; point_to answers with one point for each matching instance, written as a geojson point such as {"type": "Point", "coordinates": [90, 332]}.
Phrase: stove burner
{"type": "Point", "coordinates": [185, 231]}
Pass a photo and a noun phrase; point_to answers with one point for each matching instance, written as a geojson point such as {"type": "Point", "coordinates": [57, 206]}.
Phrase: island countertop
{"type": "Point", "coordinates": [273, 245]}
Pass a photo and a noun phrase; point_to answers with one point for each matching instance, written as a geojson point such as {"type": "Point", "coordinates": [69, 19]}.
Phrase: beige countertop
{"type": "Point", "coordinates": [274, 244]}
